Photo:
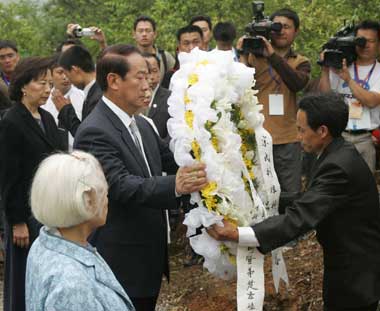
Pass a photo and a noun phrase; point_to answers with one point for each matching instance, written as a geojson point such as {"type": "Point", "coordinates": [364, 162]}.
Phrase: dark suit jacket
{"type": "Point", "coordinates": [67, 116]}
{"type": "Point", "coordinates": [133, 241]}
{"type": "Point", "coordinates": [23, 146]}
{"type": "Point", "coordinates": [159, 111]}
{"type": "Point", "coordinates": [342, 204]}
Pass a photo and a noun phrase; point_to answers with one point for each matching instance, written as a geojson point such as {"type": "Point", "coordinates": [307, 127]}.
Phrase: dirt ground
{"type": "Point", "coordinates": [194, 289]}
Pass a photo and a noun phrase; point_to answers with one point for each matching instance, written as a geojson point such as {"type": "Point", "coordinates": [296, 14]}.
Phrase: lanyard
{"type": "Point", "coordinates": [274, 79]}
{"type": "Point", "coordinates": [363, 83]}
{"type": "Point", "coordinates": [5, 79]}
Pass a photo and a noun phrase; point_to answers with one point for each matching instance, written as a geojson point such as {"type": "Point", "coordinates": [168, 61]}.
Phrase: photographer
{"type": "Point", "coordinates": [280, 74]}
{"type": "Point", "coordinates": [94, 33]}
{"type": "Point", "coordinates": [359, 83]}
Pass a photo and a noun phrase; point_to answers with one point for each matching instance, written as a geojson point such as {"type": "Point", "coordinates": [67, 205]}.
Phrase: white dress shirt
{"type": "Point", "coordinates": [247, 237]}
{"type": "Point", "coordinates": [87, 88]}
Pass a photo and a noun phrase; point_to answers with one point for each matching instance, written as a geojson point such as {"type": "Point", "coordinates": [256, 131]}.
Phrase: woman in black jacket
{"type": "Point", "coordinates": [28, 134]}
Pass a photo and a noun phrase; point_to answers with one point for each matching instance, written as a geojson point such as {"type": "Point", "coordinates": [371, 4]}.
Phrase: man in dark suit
{"type": "Point", "coordinates": [133, 156]}
{"type": "Point", "coordinates": [80, 70]}
{"type": "Point", "coordinates": [158, 107]}
{"type": "Point", "coordinates": [341, 203]}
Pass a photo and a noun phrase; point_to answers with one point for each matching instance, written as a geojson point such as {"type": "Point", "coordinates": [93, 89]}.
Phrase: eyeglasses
{"type": "Point", "coordinates": [9, 55]}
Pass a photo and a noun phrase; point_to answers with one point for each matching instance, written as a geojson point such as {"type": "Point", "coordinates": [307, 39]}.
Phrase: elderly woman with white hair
{"type": "Point", "coordinates": [69, 197]}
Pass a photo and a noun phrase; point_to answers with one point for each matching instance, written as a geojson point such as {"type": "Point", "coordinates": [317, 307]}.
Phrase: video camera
{"type": "Point", "coordinates": [342, 45]}
{"type": "Point", "coordinates": [260, 26]}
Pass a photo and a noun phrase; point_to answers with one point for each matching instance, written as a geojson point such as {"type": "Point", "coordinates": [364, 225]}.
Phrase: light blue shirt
{"type": "Point", "coordinates": [64, 276]}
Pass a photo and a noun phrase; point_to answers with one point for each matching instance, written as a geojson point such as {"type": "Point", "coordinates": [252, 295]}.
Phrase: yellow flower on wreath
{"type": "Point", "coordinates": [211, 187]}
{"type": "Point", "coordinates": [209, 197]}
{"type": "Point", "coordinates": [204, 62]}
{"type": "Point", "coordinates": [215, 144]}
{"type": "Point", "coordinates": [187, 99]}
{"type": "Point", "coordinates": [211, 203]}
{"type": "Point", "coordinates": [225, 250]}
{"type": "Point", "coordinates": [196, 150]}
{"type": "Point", "coordinates": [192, 79]}
{"type": "Point", "coordinates": [189, 118]}
{"type": "Point", "coordinates": [248, 163]}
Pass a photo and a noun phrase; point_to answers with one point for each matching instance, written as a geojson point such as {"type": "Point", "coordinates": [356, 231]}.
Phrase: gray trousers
{"type": "Point", "coordinates": [364, 144]}
{"type": "Point", "coordinates": [288, 166]}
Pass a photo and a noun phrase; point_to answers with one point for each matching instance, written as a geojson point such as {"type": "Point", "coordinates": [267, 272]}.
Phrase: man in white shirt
{"type": "Point", "coordinates": [359, 83]}
{"type": "Point", "coordinates": [64, 90]}
{"type": "Point", "coordinates": [225, 35]}
{"type": "Point", "coordinates": [134, 239]}
{"type": "Point", "coordinates": [79, 68]}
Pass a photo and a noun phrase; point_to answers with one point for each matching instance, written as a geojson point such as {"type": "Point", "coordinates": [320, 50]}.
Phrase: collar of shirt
{"type": "Point", "coordinates": [6, 79]}
{"type": "Point", "coordinates": [291, 53]}
{"type": "Point", "coordinates": [153, 94]}
{"type": "Point", "coordinates": [122, 115]}
{"type": "Point", "coordinates": [69, 92]}
{"type": "Point", "coordinates": [88, 87]}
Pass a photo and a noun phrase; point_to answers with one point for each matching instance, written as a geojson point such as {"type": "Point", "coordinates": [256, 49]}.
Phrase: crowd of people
{"type": "Point", "coordinates": [85, 163]}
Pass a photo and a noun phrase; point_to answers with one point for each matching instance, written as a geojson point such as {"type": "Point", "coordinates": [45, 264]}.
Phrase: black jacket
{"type": "Point", "coordinates": [133, 241]}
{"type": "Point", "coordinates": [342, 203]}
{"type": "Point", "coordinates": [23, 146]}
{"type": "Point", "coordinates": [67, 117]}
{"type": "Point", "coordinates": [159, 111]}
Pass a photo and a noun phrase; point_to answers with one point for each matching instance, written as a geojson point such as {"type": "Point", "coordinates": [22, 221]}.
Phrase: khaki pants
{"type": "Point", "coordinates": [364, 144]}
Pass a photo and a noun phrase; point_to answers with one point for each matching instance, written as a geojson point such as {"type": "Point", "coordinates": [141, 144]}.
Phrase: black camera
{"type": "Point", "coordinates": [342, 45]}
{"type": "Point", "coordinates": [260, 26]}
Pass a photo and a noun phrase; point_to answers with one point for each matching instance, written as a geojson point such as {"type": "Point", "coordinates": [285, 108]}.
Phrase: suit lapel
{"type": "Point", "coordinates": [126, 136]}
{"type": "Point", "coordinates": [147, 148]}
{"type": "Point", "coordinates": [155, 104]}
{"type": "Point", "coordinates": [32, 124]}
{"type": "Point", "coordinates": [136, 153]}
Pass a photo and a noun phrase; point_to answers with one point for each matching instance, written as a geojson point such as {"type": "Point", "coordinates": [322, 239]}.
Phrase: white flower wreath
{"type": "Point", "coordinates": [216, 119]}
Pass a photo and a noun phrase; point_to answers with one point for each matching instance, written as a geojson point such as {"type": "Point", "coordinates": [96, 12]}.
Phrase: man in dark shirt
{"type": "Point", "coordinates": [145, 34]}
{"type": "Point", "coordinates": [205, 24]}
{"type": "Point", "coordinates": [9, 58]}
{"type": "Point", "coordinates": [158, 106]}
{"type": "Point", "coordinates": [188, 38]}
{"type": "Point", "coordinates": [341, 203]}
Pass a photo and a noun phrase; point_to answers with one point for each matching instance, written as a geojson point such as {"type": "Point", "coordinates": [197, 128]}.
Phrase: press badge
{"type": "Point", "coordinates": [276, 104]}
{"type": "Point", "coordinates": [356, 110]}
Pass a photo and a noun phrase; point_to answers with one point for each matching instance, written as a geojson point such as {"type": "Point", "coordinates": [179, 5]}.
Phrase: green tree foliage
{"type": "Point", "coordinates": [21, 22]}
{"type": "Point", "coordinates": [39, 28]}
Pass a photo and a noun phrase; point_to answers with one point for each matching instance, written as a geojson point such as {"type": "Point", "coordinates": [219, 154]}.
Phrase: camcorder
{"type": "Point", "coordinates": [80, 32]}
{"type": "Point", "coordinates": [260, 26]}
{"type": "Point", "coordinates": [342, 45]}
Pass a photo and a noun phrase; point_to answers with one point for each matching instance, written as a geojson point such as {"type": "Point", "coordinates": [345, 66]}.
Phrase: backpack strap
{"type": "Point", "coordinates": [164, 59]}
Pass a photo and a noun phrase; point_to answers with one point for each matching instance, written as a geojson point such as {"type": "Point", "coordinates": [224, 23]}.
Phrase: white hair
{"type": "Point", "coordinates": [64, 188]}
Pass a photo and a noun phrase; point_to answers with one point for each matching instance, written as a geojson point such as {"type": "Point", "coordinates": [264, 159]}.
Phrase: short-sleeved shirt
{"type": "Point", "coordinates": [369, 118]}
